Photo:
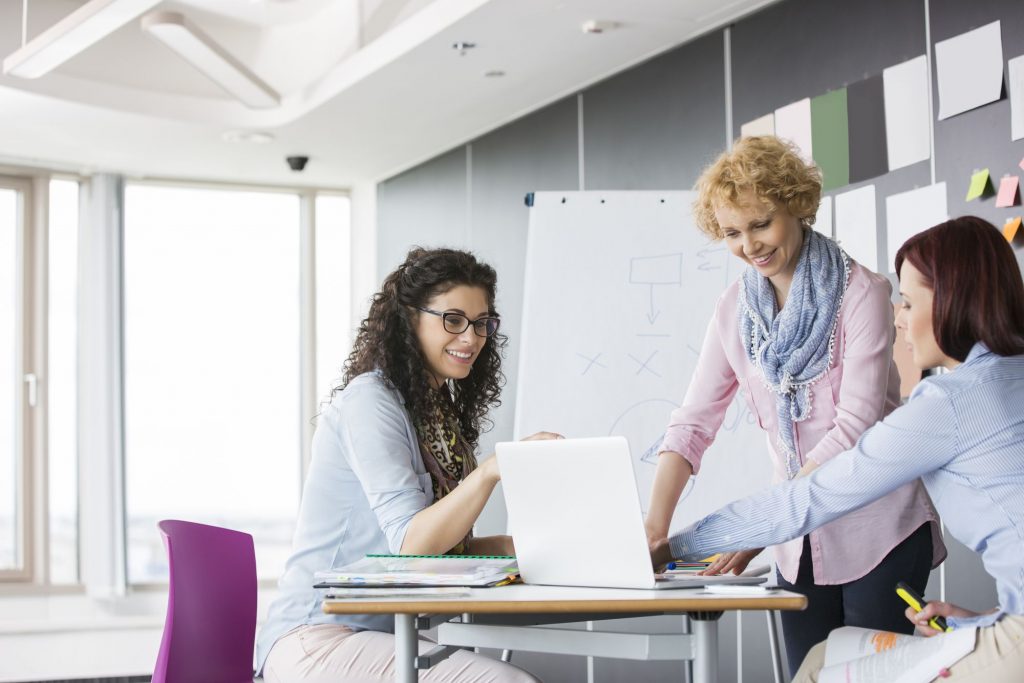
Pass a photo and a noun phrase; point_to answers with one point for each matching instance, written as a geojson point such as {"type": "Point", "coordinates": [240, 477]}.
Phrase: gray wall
{"type": "Point", "coordinates": [655, 126]}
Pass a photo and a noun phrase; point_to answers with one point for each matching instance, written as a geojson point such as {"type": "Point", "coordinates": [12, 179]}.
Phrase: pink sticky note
{"type": "Point", "coordinates": [1007, 191]}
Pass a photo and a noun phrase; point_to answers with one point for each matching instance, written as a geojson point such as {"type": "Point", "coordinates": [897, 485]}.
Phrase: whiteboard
{"type": "Point", "coordinates": [619, 290]}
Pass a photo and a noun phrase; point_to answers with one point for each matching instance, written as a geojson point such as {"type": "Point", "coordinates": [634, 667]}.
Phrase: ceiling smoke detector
{"type": "Point", "coordinates": [598, 26]}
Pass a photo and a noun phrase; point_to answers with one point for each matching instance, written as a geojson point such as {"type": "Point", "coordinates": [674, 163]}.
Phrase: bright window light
{"type": "Point", "coordinates": [63, 344]}
{"type": "Point", "coordinates": [333, 278]}
{"type": "Point", "coordinates": [10, 384]}
{"type": "Point", "coordinates": [212, 424]}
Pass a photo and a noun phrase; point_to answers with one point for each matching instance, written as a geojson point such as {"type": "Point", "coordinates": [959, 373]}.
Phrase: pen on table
{"type": "Point", "coordinates": [506, 581]}
{"type": "Point", "coordinates": [917, 602]}
{"type": "Point", "coordinates": [687, 565]}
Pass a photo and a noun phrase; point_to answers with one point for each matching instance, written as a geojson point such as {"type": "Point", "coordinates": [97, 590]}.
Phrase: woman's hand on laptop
{"type": "Point", "coordinates": [732, 562]}
{"type": "Point", "coordinates": [661, 555]}
{"type": "Point", "coordinates": [490, 464]}
{"type": "Point", "coordinates": [541, 436]}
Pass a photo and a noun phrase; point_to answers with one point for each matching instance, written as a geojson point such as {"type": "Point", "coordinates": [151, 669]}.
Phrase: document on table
{"type": "Point", "coordinates": [342, 594]}
{"type": "Point", "coordinates": [419, 570]}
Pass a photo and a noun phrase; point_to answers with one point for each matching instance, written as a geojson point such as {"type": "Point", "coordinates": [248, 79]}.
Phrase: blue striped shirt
{"type": "Point", "coordinates": [961, 432]}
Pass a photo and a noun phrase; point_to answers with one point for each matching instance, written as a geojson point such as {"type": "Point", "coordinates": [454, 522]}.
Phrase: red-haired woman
{"type": "Point", "coordinates": [962, 433]}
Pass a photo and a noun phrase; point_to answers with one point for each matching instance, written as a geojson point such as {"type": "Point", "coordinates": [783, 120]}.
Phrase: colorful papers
{"type": "Point", "coordinates": [830, 138]}
{"type": "Point", "coordinates": [761, 126]}
{"type": "Point", "coordinates": [908, 213]}
{"type": "Point", "coordinates": [1016, 77]}
{"type": "Point", "coordinates": [793, 123]}
{"type": "Point", "coordinates": [906, 112]}
{"type": "Point", "coordinates": [969, 68]}
{"type": "Point", "coordinates": [855, 224]}
{"type": "Point", "coordinates": [1011, 228]}
{"type": "Point", "coordinates": [1008, 187]}
{"type": "Point", "coordinates": [980, 185]}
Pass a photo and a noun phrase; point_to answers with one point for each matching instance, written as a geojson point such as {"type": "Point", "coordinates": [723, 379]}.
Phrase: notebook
{"type": "Point", "coordinates": [397, 571]}
{"type": "Point", "coordinates": [575, 518]}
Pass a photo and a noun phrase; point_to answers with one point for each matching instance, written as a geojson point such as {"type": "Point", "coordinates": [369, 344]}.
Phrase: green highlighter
{"type": "Point", "coordinates": [911, 597]}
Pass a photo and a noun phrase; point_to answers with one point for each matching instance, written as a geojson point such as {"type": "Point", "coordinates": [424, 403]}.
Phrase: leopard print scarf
{"type": "Point", "coordinates": [446, 455]}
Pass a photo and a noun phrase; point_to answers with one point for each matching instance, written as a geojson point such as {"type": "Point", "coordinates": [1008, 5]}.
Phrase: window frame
{"type": "Point", "coordinates": [33, 187]}
{"type": "Point", "coordinates": [28, 414]}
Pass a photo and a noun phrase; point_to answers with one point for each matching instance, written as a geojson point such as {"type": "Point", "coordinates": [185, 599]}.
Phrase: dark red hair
{"type": "Point", "coordinates": [979, 294]}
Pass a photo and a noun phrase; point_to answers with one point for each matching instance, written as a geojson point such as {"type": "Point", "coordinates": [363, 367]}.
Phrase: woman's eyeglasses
{"type": "Point", "coordinates": [456, 323]}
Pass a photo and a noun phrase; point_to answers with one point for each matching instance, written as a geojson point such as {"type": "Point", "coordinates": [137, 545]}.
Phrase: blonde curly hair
{"type": "Point", "coordinates": [771, 167]}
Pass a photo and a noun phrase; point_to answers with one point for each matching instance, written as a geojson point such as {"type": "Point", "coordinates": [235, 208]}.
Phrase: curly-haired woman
{"type": "Point", "coordinates": [394, 470]}
{"type": "Point", "coordinates": [806, 334]}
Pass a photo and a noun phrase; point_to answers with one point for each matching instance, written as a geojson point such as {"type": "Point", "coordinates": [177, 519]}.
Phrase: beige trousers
{"type": "Point", "coordinates": [998, 657]}
{"type": "Point", "coordinates": [329, 653]}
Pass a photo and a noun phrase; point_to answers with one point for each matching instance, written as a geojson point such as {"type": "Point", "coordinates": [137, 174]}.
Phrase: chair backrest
{"type": "Point", "coordinates": [210, 627]}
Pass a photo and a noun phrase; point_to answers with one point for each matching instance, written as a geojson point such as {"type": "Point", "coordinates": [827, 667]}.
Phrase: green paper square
{"type": "Point", "coordinates": [979, 184]}
{"type": "Point", "coordinates": [830, 138]}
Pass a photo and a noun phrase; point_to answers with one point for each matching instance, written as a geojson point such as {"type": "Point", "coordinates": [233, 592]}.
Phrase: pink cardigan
{"type": "Point", "coordinates": [860, 387]}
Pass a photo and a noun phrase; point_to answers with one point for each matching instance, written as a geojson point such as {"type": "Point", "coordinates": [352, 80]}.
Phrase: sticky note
{"type": "Point", "coordinates": [1021, 164]}
{"type": "Point", "coordinates": [1011, 228]}
{"type": "Point", "coordinates": [1007, 191]}
{"type": "Point", "coordinates": [979, 184]}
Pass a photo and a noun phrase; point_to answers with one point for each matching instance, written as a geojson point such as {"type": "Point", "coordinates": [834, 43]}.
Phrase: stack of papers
{"type": "Point", "coordinates": [395, 571]}
{"type": "Point", "coordinates": [342, 594]}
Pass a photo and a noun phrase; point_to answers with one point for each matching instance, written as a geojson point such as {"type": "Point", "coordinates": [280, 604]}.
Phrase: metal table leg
{"type": "Point", "coordinates": [773, 639]}
{"type": "Point", "coordinates": [406, 648]}
{"type": "Point", "coordinates": [705, 647]}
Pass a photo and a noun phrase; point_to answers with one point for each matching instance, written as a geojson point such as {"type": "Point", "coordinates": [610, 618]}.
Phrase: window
{"type": "Point", "coordinates": [333, 299]}
{"type": "Point", "coordinates": [209, 386]}
{"type": "Point", "coordinates": [11, 329]}
{"type": "Point", "coordinates": [62, 382]}
{"type": "Point", "coordinates": [212, 367]}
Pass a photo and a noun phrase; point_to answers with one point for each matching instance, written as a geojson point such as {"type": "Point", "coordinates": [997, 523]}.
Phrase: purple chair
{"type": "Point", "coordinates": [210, 627]}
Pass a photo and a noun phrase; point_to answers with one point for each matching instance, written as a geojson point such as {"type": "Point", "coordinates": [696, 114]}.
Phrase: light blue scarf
{"type": "Point", "coordinates": [793, 348]}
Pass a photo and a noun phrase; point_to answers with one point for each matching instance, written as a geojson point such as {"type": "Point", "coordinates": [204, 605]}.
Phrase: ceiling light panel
{"type": "Point", "coordinates": [87, 25]}
{"type": "Point", "coordinates": [204, 53]}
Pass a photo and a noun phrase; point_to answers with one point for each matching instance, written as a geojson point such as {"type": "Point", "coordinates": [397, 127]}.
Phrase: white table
{"type": "Point", "coordinates": [522, 607]}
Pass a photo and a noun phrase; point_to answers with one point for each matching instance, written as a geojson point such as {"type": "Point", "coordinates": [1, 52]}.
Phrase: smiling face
{"type": "Point", "coordinates": [766, 236]}
{"type": "Point", "coordinates": [451, 356]}
{"type": "Point", "coordinates": [914, 320]}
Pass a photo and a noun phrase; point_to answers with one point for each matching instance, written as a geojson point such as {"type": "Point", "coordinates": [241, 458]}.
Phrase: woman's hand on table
{"type": "Point", "coordinates": [735, 562]}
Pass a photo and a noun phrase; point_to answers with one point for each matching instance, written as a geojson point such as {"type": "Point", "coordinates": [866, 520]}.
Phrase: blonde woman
{"type": "Point", "coordinates": [806, 335]}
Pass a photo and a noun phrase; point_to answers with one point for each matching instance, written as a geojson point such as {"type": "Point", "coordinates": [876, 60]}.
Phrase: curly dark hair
{"type": "Point", "coordinates": [387, 337]}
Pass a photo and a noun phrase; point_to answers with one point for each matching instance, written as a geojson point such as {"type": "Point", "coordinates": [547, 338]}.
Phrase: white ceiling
{"type": "Point", "coordinates": [369, 87]}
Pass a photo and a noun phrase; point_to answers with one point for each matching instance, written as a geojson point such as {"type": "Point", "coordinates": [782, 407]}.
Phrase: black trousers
{"type": "Point", "coordinates": [868, 602]}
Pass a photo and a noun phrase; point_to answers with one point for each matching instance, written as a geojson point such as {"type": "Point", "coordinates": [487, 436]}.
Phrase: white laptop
{"type": "Point", "coordinates": [574, 515]}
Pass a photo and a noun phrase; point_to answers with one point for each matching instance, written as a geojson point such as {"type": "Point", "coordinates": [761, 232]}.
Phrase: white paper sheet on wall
{"type": "Point", "coordinates": [760, 126]}
{"type": "Point", "coordinates": [969, 69]}
{"type": "Point", "coordinates": [793, 122]}
{"type": "Point", "coordinates": [908, 213]}
{"type": "Point", "coordinates": [906, 112]}
{"type": "Point", "coordinates": [856, 225]}
{"type": "Point", "coordinates": [1016, 75]}
{"type": "Point", "coordinates": [823, 221]}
